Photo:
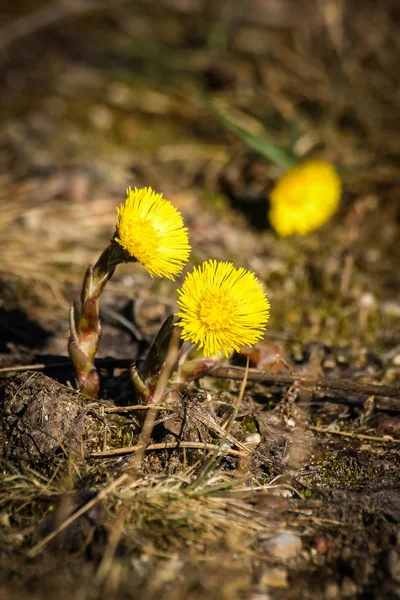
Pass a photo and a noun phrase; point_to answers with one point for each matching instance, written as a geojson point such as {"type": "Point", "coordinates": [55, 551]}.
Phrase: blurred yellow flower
{"type": "Point", "coordinates": [151, 230]}
{"type": "Point", "coordinates": [304, 198]}
{"type": "Point", "coordinates": [222, 308]}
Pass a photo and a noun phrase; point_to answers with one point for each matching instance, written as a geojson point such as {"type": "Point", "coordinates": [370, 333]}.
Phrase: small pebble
{"type": "Point", "coordinates": [396, 360]}
{"type": "Point", "coordinates": [120, 94]}
{"type": "Point", "coordinates": [101, 117]}
{"type": "Point", "coordinates": [367, 301]}
{"type": "Point", "coordinates": [284, 546]}
{"type": "Point", "coordinates": [390, 308]}
{"type": "Point", "coordinates": [348, 588]}
{"type": "Point", "coordinates": [332, 591]}
{"type": "Point", "coordinates": [329, 363]}
{"type": "Point", "coordinates": [281, 492]}
{"type": "Point", "coordinates": [254, 439]}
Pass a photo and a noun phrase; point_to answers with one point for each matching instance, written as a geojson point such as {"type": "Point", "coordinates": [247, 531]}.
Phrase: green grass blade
{"type": "Point", "coordinates": [258, 143]}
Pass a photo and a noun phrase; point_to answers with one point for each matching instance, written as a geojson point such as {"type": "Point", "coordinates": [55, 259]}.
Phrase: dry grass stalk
{"type": "Point", "coordinates": [100, 496]}
{"type": "Point", "coordinates": [170, 362]}
{"type": "Point", "coordinates": [167, 446]}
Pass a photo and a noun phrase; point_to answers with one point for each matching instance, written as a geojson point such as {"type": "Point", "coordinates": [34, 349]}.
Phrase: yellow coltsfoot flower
{"type": "Point", "coordinates": [151, 230]}
{"type": "Point", "coordinates": [304, 198]}
{"type": "Point", "coordinates": [222, 308]}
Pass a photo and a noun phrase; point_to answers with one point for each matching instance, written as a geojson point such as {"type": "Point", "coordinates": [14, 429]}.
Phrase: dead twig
{"type": "Point", "coordinates": [114, 363]}
{"type": "Point", "coordinates": [166, 446]}
{"type": "Point", "coordinates": [328, 385]}
{"type": "Point", "coordinates": [135, 407]}
{"type": "Point", "coordinates": [318, 384]}
{"type": "Point", "coordinates": [385, 439]}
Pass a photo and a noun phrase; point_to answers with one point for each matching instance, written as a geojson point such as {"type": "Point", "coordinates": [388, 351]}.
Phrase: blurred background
{"type": "Point", "coordinates": [99, 95]}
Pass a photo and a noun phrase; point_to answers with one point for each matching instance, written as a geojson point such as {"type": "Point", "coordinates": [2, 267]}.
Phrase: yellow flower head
{"type": "Point", "coordinates": [304, 198]}
{"type": "Point", "coordinates": [222, 308]}
{"type": "Point", "coordinates": [151, 230]}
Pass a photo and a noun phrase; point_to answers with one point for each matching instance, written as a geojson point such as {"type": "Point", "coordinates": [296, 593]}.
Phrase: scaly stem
{"type": "Point", "coordinates": [85, 328]}
{"type": "Point", "coordinates": [195, 369]}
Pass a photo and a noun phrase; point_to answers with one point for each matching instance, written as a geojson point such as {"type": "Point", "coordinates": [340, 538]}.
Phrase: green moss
{"type": "Point", "coordinates": [123, 438]}
{"type": "Point", "coordinates": [340, 469]}
{"type": "Point", "coordinates": [249, 425]}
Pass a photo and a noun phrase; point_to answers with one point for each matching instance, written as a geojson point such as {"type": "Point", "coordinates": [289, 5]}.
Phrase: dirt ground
{"type": "Point", "coordinates": [290, 489]}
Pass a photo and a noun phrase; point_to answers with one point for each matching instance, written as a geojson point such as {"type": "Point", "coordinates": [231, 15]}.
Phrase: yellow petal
{"type": "Point", "coordinates": [304, 198]}
{"type": "Point", "coordinates": [222, 308]}
{"type": "Point", "coordinates": [151, 230]}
